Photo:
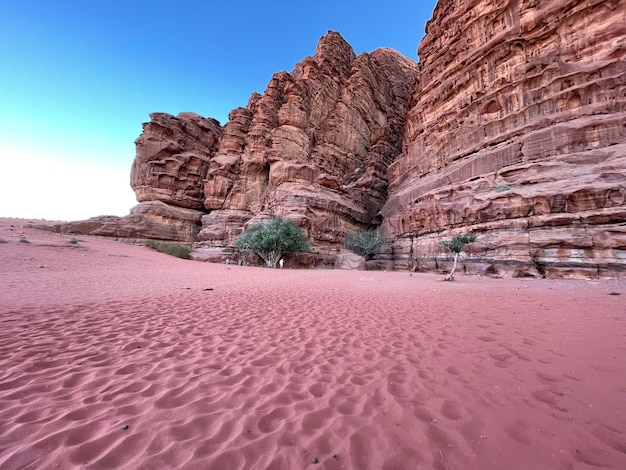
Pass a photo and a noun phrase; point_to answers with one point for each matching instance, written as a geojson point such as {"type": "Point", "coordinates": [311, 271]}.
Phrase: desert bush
{"type": "Point", "coordinates": [24, 240]}
{"type": "Point", "coordinates": [455, 246]}
{"type": "Point", "coordinates": [174, 249]}
{"type": "Point", "coordinates": [272, 239]}
{"type": "Point", "coordinates": [366, 244]}
{"type": "Point", "coordinates": [498, 188]}
{"type": "Point", "coordinates": [73, 241]}
{"type": "Point", "coordinates": [2, 240]}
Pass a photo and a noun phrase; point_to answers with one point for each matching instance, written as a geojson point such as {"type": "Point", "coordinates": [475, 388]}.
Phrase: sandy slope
{"type": "Point", "coordinates": [114, 356]}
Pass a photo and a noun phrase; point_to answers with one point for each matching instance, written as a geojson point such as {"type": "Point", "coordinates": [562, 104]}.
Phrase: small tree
{"type": "Point", "coordinates": [273, 239]}
{"type": "Point", "coordinates": [366, 244]}
{"type": "Point", "coordinates": [455, 246]}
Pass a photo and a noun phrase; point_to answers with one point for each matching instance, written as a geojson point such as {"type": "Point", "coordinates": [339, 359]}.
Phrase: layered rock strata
{"type": "Point", "coordinates": [512, 127]}
{"type": "Point", "coordinates": [172, 160]}
{"type": "Point", "coordinates": [516, 132]}
{"type": "Point", "coordinates": [153, 220]}
{"type": "Point", "coordinates": [314, 148]}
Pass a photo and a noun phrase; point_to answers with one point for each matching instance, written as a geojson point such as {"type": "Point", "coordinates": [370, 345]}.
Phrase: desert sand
{"type": "Point", "coordinates": [118, 357]}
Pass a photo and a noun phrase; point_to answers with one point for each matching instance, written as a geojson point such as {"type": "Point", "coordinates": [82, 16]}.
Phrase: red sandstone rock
{"type": "Point", "coordinates": [221, 228]}
{"type": "Point", "coordinates": [315, 146]}
{"type": "Point", "coordinates": [172, 159]}
{"type": "Point", "coordinates": [516, 133]}
{"type": "Point", "coordinates": [213, 254]}
{"type": "Point", "coordinates": [349, 260]}
{"type": "Point", "coordinates": [512, 128]}
{"type": "Point", "coordinates": [167, 176]}
{"type": "Point", "coordinates": [148, 220]}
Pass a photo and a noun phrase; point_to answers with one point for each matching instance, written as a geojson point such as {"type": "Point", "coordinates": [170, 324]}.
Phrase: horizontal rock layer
{"type": "Point", "coordinates": [516, 132]}
{"type": "Point", "coordinates": [153, 220]}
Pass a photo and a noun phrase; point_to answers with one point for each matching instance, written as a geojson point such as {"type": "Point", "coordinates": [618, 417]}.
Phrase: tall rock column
{"type": "Point", "coordinates": [314, 147]}
{"type": "Point", "coordinates": [167, 175]}
{"type": "Point", "coordinates": [172, 160]}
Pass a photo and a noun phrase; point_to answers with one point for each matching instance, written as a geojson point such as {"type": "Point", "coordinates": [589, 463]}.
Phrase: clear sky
{"type": "Point", "coordinates": [79, 77]}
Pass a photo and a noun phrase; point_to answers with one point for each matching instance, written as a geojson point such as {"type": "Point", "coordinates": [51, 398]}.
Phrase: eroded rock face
{"type": "Point", "coordinates": [153, 220]}
{"type": "Point", "coordinates": [167, 175]}
{"type": "Point", "coordinates": [512, 127]}
{"type": "Point", "coordinates": [314, 147]}
{"type": "Point", "coordinates": [516, 132]}
{"type": "Point", "coordinates": [349, 260]}
{"type": "Point", "coordinates": [172, 159]}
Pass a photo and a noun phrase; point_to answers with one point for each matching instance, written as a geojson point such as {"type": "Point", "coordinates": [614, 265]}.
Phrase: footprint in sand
{"type": "Point", "coordinates": [273, 420]}
{"type": "Point", "coordinates": [451, 410]}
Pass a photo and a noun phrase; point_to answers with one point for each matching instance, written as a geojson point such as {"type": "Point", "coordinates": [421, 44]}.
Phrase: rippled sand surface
{"type": "Point", "coordinates": [115, 356]}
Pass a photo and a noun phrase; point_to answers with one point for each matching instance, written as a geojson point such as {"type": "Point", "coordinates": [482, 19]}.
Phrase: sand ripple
{"type": "Point", "coordinates": [273, 368]}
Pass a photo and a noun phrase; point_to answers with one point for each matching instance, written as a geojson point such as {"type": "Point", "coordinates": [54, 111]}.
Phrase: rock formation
{"type": "Point", "coordinates": [153, 220]}
{"type": "Point", "coordinates": [516, 132]}
{"type": "Point", "coordinates": [348, 260]}
{"type": "Point", "coordinates": [173, 154]}
{"type": "Point", "coordinates": [511, 127]}
{"type": "Point", "coordinates": [172, 160]}
{"type": "Point", "coordinates": [314, 148]}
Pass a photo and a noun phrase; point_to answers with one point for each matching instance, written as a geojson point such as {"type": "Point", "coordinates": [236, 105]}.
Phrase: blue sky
{"type": "Point", "coordinates": [79, 77]}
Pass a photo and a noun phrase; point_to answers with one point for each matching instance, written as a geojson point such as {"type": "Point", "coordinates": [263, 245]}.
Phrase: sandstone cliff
{"type": "Point", "coordinates": [516, 132]}
{"type": "Point", "coordinates": [314, 148]}
{"type": "Point", "coordinates": [511, 127]}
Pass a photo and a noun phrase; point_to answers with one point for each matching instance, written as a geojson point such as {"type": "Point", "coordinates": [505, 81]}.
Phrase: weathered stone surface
{"type": "Point", "coordinates": [148, 220]}
{"type": "Point", "coordinates": [349, 260]}
{"type": "Point", "coordinates": [314, 147]}
{"type": "Point", "coordinates": [215, 254]}
{"type": "Point", "coordinates": [172, 159]}
{"type": "Point", "coordinates": [512, 127]}
{"type": "Point", "coordinates": [221, 228]}
{"type": "Point", "coordinates": [516, 133]}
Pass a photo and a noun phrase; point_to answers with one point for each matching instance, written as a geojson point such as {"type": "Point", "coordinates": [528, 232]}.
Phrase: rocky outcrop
{"type": "Point", "coordinates": [511, 127]}
{"type": "Point", "coordinates": [313, 148]}
{"type": "Point", "coordinates": [173, 154]}
{"type": "Point", "coordinates": [516, 133]}
{"type": "Point", "coordinates": [153, 220]}
{"type": "Point", "coordinates": [172, 160]}
{"type": "Point", "coordinates": [349, 260]}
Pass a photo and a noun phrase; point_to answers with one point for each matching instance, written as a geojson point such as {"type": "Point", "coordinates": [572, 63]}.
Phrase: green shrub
{"type": "Point", "coordinates": [273, 239]}
{"type": "Point", "coordinates": [2, 240]}
{"type": "Point", "coordinates": [23, 240]}
{"type": "Point", "coordinates": [366, 244]}
{"type": "Point", "coordinates": [498, 188]}
{"type": "Point", "coordinates": [174, 249]}
{"type": "Point", "coordinates": [73, 241]}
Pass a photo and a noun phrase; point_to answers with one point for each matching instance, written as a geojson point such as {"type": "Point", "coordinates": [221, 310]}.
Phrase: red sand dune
{"type": "Point", "coordinates": [116, 357]}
